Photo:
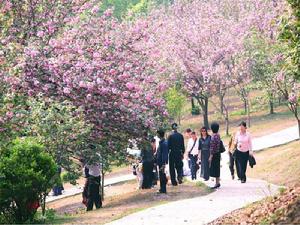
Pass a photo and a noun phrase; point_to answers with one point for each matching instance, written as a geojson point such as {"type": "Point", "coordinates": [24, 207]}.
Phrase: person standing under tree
{"type": "Point", "coordinates": [204, 145]}
{"type": "Point", "coordinates": [215, 155]}
{"type": "Point", "coordinates": [93, 186]}
{"type": "Point", "coordinates": [193, 155]}
{"type": "Point", "coordinates": [162, 160]}
{"type": "Point", "coordinates": [243, 143]}
{"type": "Point", "coordinates": [148, 163]}
{"type": "Point", "coordinates": [176, 147]}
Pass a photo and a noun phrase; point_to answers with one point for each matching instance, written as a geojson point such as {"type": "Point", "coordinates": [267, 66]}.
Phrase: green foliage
{"type": "Point", "coordinates": [129, 9]}
{"type": "Point", "coordinates": [240, 112]}
{"type": "Point", "coordinates": [120, 6]}
{"type": "Point", "coordinates": [26, 172]}
{"type": "Point", "coordinates": [69, 177]}
{"type": "Point", "coordinates": [290, 33]}
{"type": "Point", "coordinates": [266, 63]}
{"type": "Point", "coordinates": [61, 128]}
{"type": "Point", "coordinates": [175, 102]}
{"type": "Point", "coordinates": [196, 110]}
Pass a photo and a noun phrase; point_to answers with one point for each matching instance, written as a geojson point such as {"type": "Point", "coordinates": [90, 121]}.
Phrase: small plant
{"type": "Point", "coordinates": [26, 173]}
{"type": "Point", "coordinates": [281, 190]}
{"type": "Point", "coordinates": [196, 110]}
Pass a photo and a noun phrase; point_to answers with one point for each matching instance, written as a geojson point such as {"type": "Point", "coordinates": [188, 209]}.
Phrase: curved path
{"type": "Point", "coordinates": [231, 196]}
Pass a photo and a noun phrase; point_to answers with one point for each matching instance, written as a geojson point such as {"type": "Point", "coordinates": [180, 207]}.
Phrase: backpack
{"type": "Point", "coordinates": [222, 147]}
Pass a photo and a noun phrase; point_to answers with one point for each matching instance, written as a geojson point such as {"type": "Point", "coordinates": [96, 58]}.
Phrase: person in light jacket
{"type": "Point", "coordinates": [243, 143]}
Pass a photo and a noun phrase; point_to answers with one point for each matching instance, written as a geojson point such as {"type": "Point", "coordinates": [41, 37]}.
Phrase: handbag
{"type": "Point", "coordinates": [252, 161]}
{"type": "Point", "coordinates": [222, 147]}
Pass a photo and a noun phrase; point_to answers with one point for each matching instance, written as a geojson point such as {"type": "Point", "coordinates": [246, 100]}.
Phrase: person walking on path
{"type": "Point", "coordinates": [232, 157]}
{"type": "Point", "coordinates": [193, 155]}
{"type": "Point", "coordinates": [176, 147]}
{"type": "Point", "coordinates": [215, 155]}
{"type": "Point", "coordinates": [162, 160]}
{"type": "Point", "coordinates": [148, 162]}
{"type": "Point", "coordinates": [188, 134]}
{"type": "Point", "coordinates": [243, 142]}
{"type": "Point", "coordinates": [204, 146]}
{"type": "Point", "coordinates": [93, 186]}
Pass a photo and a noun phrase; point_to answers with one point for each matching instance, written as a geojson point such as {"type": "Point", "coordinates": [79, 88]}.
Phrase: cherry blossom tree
{"type": "Point", "coordinates": [99, 65]}
{"type": "Point", "coordinates": [200, 40]}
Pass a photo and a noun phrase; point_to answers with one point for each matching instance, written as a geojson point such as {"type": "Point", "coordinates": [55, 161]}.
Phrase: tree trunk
{"type": "Point", "coordinates": [299, 127]}
{"type": "Point", "coordinates": [193, 103]}
{"type": "Point", "coordinates": [248, 114]}
{"type": "Point", "coordinates": [245, 106]}
{"type": "Point", "coordinates": [43, 206]}
{"type": "Point", "coordinates": [227, 121]}
{"type": "Point", "coordinates": [205, 113]}
{"type": "Point", "coordinates": [102, 185]}
{"type": "Point", "coordinates": [203, 102]}
{"type": "Point", "coordinates": [271, 104]}
{"type": "Point", "coordinates": [221, 98]}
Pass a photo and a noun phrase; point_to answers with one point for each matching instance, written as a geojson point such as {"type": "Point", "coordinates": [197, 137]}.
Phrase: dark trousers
{"type": "Point", "coordinates": [175, 161]}
{"type": "Point", "coordinates": [93, 193]}
{"type": "Point", "coordinates": [232, 161]}
{"type": "Point", "coordinates": [162, 180]}
{"type": "Point", "coordinates": [242, 161]}
{"type": "Point", "coordinates": [147, 174]}
{"type": "Point", "coordinates": [194, 159]}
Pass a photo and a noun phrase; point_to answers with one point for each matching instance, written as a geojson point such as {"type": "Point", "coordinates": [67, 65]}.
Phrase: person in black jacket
{"type": "Point", "coordinates": [147, 160]}
{"type": "Point", "coordinates": [162, 160]}
{"type": "Point", "coordinates": [176, 147]}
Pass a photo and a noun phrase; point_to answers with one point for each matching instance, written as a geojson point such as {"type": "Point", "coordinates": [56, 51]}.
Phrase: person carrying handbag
{"type": "Point", "coordinates": [232, 158]}
{"type": "Point", "coordinates": [244, 150]}
{"type": "Point", "coordinates": [193, 156]}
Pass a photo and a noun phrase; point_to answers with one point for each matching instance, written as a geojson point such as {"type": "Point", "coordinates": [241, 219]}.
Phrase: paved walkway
{"type": "Point", "coordinates": [231, 196]}
{"type": "Point", "coordinates": [275, 139]}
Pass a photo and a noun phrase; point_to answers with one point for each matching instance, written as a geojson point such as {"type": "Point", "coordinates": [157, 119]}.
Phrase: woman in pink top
{"type": "Point", "coordinates": [244, 149]}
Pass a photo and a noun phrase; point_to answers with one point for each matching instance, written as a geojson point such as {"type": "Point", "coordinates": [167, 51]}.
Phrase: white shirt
{"type": "Point", "coordinates": [157, 139]}
{"type": "Point", "coordinates": [190, 146]}
{"type": "Point", "coordinates": [94, 170]}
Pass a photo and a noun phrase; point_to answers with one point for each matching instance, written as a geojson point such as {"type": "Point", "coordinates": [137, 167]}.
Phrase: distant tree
{"type": "Point", "coordinates": [175, 103]}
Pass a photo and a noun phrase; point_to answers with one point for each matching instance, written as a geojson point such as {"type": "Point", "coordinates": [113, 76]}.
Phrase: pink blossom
{"type": "Point", "coordinates": [130, 86]}
{"type": "Point", "coordinates": [66, 90]}
{"type": "Point", "coordinates": [40, 33]}
{"type": "Point", "coordinates": [293, 98]}
{"type": "Point", "coordinates": [9, 114]}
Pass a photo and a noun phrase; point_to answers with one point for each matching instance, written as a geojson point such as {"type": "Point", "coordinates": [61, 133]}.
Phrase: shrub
{"type": "Point", "coordinates": [26, 173]}
{"type": "Point", "coordinates": [196, 110]}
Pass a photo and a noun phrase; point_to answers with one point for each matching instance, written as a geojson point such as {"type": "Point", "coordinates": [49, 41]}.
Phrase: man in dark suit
{"type": "Point", "coordinates": [176, 147]}
{"type": "Point", "coordinates": [162, 160]}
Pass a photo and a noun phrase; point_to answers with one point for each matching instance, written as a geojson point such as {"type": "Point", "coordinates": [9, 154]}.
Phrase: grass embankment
{"type": "Point", "coordinates": [121, 200]}
{"type": "Point", "coordinates": [279, 165]}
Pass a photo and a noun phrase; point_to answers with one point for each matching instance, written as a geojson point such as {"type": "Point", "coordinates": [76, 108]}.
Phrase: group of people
{"type": "Point", "coordinates": [159, 154]}
{"type": "Point", "coordinates": [202, 153]}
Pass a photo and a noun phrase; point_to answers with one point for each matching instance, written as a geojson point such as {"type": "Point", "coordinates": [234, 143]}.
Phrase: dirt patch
{"type": "Point", "coordinates": [124, 199]}
{"type": "Point", "coordinates": [282, 209]}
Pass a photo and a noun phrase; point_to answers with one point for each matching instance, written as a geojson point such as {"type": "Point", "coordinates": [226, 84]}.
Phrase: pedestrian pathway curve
{"type": "Point", "coordinates": [231, 196]}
